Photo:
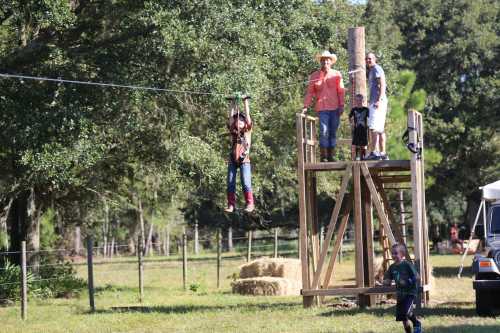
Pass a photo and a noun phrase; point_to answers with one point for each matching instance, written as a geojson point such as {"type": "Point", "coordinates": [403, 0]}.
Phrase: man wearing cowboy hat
{"type": "Point", "coordinates": [327, 88]}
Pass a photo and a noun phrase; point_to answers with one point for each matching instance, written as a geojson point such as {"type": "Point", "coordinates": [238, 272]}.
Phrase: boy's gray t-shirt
{"type": "Point", "coordinates": [375, 73]}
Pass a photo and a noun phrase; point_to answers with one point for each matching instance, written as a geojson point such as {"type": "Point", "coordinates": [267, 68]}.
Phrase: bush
{"type": "Point", "coordinates": [57, 280]}
{"type": "Point", "coordinates": [10, 282]}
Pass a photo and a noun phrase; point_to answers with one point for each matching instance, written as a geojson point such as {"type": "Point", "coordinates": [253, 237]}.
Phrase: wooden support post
{"type": "Point", "coordinates": [219, 257]}
{"type": "Point", "coordinates": [90, 272]}
{"type": "Point", "coordinates": [140, 268]}
{"type": "Point", "coordinates": [303, 247]}
{"type": "Point", "coordinates": [196, 239]}
{"type": "Point", "coordinates": [368, 253]}
{"type": "Point", "coordinates": [358, 227]}
{"type": "Point", "coordinates": [184, 261]}
{"type": "Point", "coordinates": [24, 283]}
{"type": "Point", "coordinates": [249, 246]}
{"type": "Point", "coordinates": [276, 242]}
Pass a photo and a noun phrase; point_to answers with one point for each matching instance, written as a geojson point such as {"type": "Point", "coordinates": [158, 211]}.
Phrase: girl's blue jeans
{"type": "Point", "coordinates": [245, 176]}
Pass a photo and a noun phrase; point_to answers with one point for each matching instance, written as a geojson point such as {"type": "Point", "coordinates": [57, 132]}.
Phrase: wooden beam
{"type": "Point", "coordinates": [348, 291]}
{"type": "Point", "coordinates": [393, 179]}
{"type": "Point", "coordinates": [358, 226]}
{"type": "Point", "coordinates": [378, 205]}
{"type": "Point", "coordinates": [354, 291]}
{"type": "Point", "coordinates": [368, 254]}
{"type": "Point", "coordinates": [390, 165]}
{"type": "Point", "coordinates": [307, 301]}
{"type": "Point", "coordinates": [331, 227]}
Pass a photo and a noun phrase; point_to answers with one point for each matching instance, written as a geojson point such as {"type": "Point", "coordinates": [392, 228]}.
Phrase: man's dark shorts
{"type": "Point", "coordinates": [404, 307]}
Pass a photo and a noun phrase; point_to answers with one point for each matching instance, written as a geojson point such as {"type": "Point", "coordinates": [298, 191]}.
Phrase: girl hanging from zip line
{"type": "Point", "coordinates": [240, 129]}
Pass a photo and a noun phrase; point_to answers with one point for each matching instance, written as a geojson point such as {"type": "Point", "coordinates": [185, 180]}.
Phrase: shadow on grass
{"type": "Point", "coordinates": [451, 271]}
{"type": "Point", "coordinates": [462, 329]}
{"type": "Point", "coordinates": [182, 309]}
{"type": "Point", "coordinates": [445, 309]}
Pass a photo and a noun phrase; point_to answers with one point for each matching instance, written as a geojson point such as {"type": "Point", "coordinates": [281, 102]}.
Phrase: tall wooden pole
{"type": "Point", "coordinates": [357, 65]}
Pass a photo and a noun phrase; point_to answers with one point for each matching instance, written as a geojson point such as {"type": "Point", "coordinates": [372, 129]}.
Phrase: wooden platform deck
{"type": "Point", "coordinates": [396, 165]}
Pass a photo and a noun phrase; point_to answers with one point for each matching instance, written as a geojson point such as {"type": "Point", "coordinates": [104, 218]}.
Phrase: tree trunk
{"type": "Point", "coordinates": [230, 239]}
{"type": "Point", "coordinates": [33, 231]}
{"type": "Point", "coordinates": [141, 221]}
{"type": "Point", "coordinates": [167, 241]}
{"type": "Point", "coordinates": [196, 239]}
{"type": "Point", "coordinates": [147, 249]}
{"type": "Point", "coordinates": [78, 240]}
{"type": "Point", "coordinates": [4, 245]}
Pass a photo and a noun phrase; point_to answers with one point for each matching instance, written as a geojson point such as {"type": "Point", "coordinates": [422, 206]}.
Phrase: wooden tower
{"type": "Point", "coordinates": [364, 185]}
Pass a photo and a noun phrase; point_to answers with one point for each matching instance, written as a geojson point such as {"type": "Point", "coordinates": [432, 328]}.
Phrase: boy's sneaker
{"type": "Point", "coordinates": [384, 157]}
{"type": "Point", "coordinates": [372, 157]}
{"type": "Point", "coordinates": [417, 328]}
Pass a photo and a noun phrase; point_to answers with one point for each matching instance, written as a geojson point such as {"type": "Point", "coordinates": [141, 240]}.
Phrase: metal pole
{"type": "Point", "coordinates": [90, 270]}
{"type": "Point", "coordinates": [249, 246]}
{"type": "Point", "coordinates": [184, 260]}
{"type": "Point", "coordinates": [219, 258]}
{"type": "Point", "coordinates": [141, 268]}
{"type": "Point", "coordinates": [24, 284]}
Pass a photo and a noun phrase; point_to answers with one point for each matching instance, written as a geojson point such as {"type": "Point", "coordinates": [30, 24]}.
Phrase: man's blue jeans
{"type": "Point", "coordinates": [245, 176]}
{"type": "Point", "coordinates": [329, 121]}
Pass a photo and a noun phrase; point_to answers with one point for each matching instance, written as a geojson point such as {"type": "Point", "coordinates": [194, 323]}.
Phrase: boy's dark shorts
{"type": "Point", "coordinates": [404, 307]}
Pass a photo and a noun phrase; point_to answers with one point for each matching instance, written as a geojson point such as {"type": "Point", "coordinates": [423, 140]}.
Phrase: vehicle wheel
{"type": "Point", "coordinates": [484, 303]}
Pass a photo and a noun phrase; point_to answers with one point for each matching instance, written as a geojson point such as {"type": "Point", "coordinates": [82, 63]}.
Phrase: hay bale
{"type": "Point", "coordinates": [266, 286]}
{"type": "Point", "coordinates": [273, 267]}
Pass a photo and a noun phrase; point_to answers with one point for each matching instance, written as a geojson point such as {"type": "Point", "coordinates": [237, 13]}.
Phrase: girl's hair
{"type": "Point", "coordinates": [242, 116]}
{"type": "Point", "coordinates": [400, 247]}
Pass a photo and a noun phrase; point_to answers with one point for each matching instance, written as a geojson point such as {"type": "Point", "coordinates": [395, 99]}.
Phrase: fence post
{"type": "Point", "coordinates": [184, 260]}
{"type": "Point", "coordinates": [249, 246]}
{"type": "Point", "coordinates": [196, 239]}
{"type": "Point", "coordinates": [90, 270]}
{"type": "Point", "coordinates": [141, 268]}
{"type": "Point", "coordinates": [276, 242]}
{"type": "Point", "coordinates": [219, 245]}
{"type": "Point", "coordinates": [24, 284]}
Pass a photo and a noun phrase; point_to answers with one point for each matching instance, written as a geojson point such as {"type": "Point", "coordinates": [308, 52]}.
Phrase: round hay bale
{"type": "Point", "coordinates": [266, 286]}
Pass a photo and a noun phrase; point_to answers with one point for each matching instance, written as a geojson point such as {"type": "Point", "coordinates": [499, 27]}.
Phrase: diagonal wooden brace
{"type": "Point", "coordinates": [331, 227]}
{"type": "Point", "coordinates": [378, 204]}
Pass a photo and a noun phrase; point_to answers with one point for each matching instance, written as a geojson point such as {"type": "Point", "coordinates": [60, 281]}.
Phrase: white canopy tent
{"type": "Point", "coordinates": [491, 192]}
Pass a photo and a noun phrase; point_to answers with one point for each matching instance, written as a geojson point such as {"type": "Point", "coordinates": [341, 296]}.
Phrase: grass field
{"type": "Point", "coordinates": [168, 308]}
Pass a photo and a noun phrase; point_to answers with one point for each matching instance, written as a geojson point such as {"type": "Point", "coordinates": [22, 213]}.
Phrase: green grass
{"type": "Point", "coordinates": [168, 308]}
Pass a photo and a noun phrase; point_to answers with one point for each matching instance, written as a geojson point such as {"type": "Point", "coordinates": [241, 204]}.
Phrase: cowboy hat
{"type": "Point", "coordinates": [326, 54]}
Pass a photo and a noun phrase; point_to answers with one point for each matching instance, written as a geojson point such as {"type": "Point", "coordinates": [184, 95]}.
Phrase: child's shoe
{"type": "Point", "coordinates": [249, 202]}
{"type": "Point", "coordinates": [229, 209]}
{"type": "Point", "coordinates": [250, 208]}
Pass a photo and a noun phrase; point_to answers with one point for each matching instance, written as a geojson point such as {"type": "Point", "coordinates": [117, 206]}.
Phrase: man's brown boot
{"type": "Point", "coordinates": [331, 155]}
{"type": "Point", "coordinates": [323, 153]}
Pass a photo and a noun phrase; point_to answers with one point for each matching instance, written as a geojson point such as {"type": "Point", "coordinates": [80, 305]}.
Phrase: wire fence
{"type": "Point", "coordinates": [191, 265]}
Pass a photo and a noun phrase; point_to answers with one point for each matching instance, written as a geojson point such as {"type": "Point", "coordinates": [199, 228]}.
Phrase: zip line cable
{"type": "Point", "coordinates": [112, 85]}
{"type": "Point", "coordinates": [135, 87]}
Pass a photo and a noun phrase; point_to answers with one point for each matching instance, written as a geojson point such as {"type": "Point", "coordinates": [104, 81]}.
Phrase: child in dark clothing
{"type": "Point", "coordinates": [405, 276]}
{"type": "Point", "coordinates": [358, 119]}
